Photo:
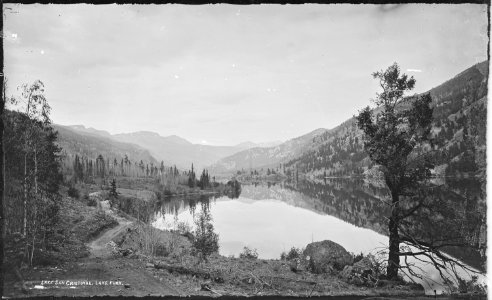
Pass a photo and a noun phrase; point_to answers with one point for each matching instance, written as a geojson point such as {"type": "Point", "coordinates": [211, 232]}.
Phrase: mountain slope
{"type": "Point", "coordinates": [90, 144]}
{"type": "Point", "coordinates": [178, 151]}
{"type": "Point", "coordinates": [172, 150]}
{"type": "Point", "coordinates": [266, 157]}
{"type": "Point", "coordinates": [459, 126]}
{"type": "Point", "coordinates": [89, 131]}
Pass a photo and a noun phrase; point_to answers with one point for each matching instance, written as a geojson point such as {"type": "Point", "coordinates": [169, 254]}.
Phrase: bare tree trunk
{"type": "Point", "coordinates": [35, 172]}
{"type": "Point", "coordinates": [24, 227]}
{"type": "Point", "coordinates": [2, 183]}
{"type": "Point", "coordinates": [394, 240]}
{"type": "Point", "coordinates": [33, 241]}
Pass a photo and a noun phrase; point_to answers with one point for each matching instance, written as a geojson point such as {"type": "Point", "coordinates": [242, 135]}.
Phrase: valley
{"type": "Point", "coordinates": [243, 151]}
{"type": "Point", "coordinates": [162, 216]}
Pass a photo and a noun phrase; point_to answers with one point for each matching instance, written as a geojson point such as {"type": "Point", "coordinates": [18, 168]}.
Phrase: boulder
{"type": "Point", "coordinates": [326, 256]}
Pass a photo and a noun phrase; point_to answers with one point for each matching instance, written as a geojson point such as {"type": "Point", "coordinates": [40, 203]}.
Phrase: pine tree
{"type": "Point", "coordinates": [390, 140]}
{"type": "Point", "coordinates": [113, 194]}
{"type": "Point", "coordinates": [192, 178]}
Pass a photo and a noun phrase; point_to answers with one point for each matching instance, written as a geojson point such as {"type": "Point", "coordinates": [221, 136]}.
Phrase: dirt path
{"type": "Point", "coordinates": [137, 280]}
{"type": "Point", "coordinates": [98, 247]}
{"type": "Point", "coordinates": [102, 266]}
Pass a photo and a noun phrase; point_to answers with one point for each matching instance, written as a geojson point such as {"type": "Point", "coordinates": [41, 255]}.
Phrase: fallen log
{"type": "Point", "coordinates": [187, 271]}
{"type": "Point", "coordinates": [281, 278]}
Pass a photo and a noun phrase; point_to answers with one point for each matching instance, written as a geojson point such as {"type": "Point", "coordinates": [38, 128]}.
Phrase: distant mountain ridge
{"type": "Point", "coordinates": [265, 157]}
{"type": "Point", "coordinates": [172, 150]}
{"type": "Point", "coordinates": [90, 143]}
{"type": "Point", "coordinates": [459, 130]}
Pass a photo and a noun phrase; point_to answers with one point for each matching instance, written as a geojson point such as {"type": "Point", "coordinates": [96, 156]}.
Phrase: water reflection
{"type": "Point", "coordinates": [276, 216]}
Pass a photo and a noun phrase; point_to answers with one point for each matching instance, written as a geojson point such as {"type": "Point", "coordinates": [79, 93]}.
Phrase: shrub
{"type": "Point", "coordinates": [358, 257]}
{"type": "Point", "coordinates": [183, 228]}
{"type": "Point", "coordinates": [73, 192]}
{"type": "Point", "coordinates": [206, 241]}
{"type": "Point", "coordinates": [294, 253]}
{"type": "Point", "coordinates": [283, 255]}
{"type": "Point", "coordinates": [92, 202]}
{"type": "Point", "coordinates": [471, 286]}
{"type": "Point", "coordinates": [161, 250]}
{"type": "Point", "coordinates": [249, 253]}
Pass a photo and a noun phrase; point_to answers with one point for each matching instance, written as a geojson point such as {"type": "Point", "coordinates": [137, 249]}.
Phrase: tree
{"type": "Point", "coordinates": [33, 165]}
{"type": "Point", "coordinates": [205, 241]}
{"type": "Point", "coordinates": [2, 182]}
{"type": "Point", "coordinates": [35, 108]}
{"type": "Point", "coordinates": [113, 194]}
{"type": "Point", "coordinates": [192, 178]}
{"type": "Point", "coordinates": [390, 137]}
{"type": "Point", "coordinates": [204, 181]}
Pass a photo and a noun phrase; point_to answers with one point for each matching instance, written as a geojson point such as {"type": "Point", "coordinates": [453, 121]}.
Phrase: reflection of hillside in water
{"type": "Point", "coordinates": [177, 205]}
{"type": "Point", "coordinates": [356, 201]}
{"type": "Point", "coordinates": [359, 202]}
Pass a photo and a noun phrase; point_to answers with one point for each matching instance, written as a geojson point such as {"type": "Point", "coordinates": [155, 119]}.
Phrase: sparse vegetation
{"type": "Point", "coordinates": [249, 253]}
{"type": "Point", "coordinates": [73, 192]}
{"type": "Point", "coordinates": [294, 253]}
{"type": "Point", "coordinates": [358, 257]}
{"type": "Point", "coordinates": [183, 228]}
{"type": "Point", "coordinates": [463, 286]}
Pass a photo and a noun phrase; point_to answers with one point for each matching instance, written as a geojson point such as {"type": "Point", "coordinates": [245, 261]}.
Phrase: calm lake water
{"type": "Point", "coordinates": [275, 217]}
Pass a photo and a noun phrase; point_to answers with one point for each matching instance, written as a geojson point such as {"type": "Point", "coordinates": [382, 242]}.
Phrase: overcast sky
{"type": "Point", "coordinates": [224, 74]}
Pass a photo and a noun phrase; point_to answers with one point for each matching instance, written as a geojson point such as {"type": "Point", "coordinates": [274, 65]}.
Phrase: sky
{"type": "Point", "coordinates": [225, 74]}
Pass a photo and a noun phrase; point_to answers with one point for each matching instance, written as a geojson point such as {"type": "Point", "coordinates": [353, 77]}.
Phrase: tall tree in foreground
{"type": "Point", "coordinates": [33, 168]}
{"type": "Point", "coordinates": [392, 132]}
{"type": "Point", "coordinates": [36, 109]}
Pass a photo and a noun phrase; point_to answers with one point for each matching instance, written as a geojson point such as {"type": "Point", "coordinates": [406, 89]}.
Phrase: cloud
{"type": "Point", "coordinates": [164, 67]}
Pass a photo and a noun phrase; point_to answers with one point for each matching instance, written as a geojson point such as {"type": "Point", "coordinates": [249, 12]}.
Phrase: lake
{"type": "Point", "coordinates": [272, 218]}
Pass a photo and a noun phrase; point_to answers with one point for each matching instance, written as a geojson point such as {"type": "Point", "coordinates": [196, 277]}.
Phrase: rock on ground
{"type": "Point", "coordinates": [326, 255]}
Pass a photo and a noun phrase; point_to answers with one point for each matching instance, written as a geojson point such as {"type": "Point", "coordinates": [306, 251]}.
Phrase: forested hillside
{"type": "Point", "coordinates": [94, 154]}
{"type": "Point", "coordinates": [265, 157]}
{"type": "Point", "coordinates": [459, 129]}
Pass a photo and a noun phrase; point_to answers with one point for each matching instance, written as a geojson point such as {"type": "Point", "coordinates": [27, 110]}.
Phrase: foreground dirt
{"type": "Point", "coordinates": [102, 273]}
{"type": "Point", "coordinates": [99, 247]}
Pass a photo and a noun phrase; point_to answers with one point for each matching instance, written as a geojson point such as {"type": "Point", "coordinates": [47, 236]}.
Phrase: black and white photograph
{"type": "Point", "coordinates": [218, 150]}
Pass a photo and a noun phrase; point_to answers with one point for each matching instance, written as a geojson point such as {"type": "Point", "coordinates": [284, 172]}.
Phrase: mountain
{"type": "Point", "coordinates": [178, 151]}
{"type": "Point", "coordinates": [458, 132]}
{"type": "Point", "coordinates": [89, 131]}
{"type": "Point", "coordinates": [249, 145]}
{"type": "Point", "coordinates": [265, 157]}
{"type": "Point", "coordinates": [172, 150]}
{"type": "Point", "coordinates": [89, 142]}
{"type": "Point", "coordinates": [459, 129]}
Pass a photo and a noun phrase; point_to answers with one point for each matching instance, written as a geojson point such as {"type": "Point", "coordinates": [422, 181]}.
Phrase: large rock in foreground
{"type": "Point", "coordinates": [326, 255]}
